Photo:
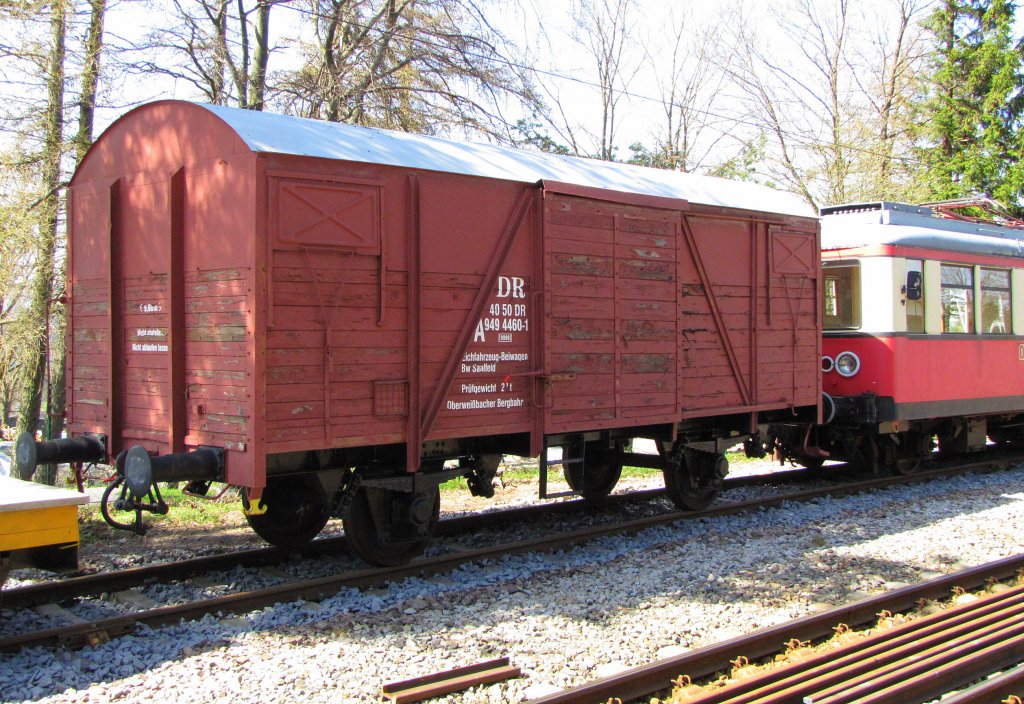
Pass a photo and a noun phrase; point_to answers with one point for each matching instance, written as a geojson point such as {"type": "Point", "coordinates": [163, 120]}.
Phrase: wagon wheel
{"type": "Point", "coordinates": [596, 476]}
{"type": "Point", "coordinates": [862, 453]}
{"type": "Point", "coordinates": [811, 463]}
{"type": "Point", "coordinates": [904, 454]}
{"type": "Point", "coordinates": [390, 528]}
{"type": "Point", "coordinates": [296, 511]}
{"type": "Point", "coordinates": [693, 479]}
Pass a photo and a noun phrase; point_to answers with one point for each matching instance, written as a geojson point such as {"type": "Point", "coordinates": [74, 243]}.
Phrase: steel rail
{"type": "Point", "coordinates": [103, 582]}
{"type": "Point", "coordinates": [74, 635]}
{"type": "Point", "coordinates": [920, 675]}
{"type": "Point", "coordinates": [660, 675]}
{"type": "Point", "coordinates": [91, 584]}
{"type": "Point", "coordinates": [456, 680]}
{"type": "Point", "coordinates": [916, 662]}
{"type": "Point", "coordinates": [995, 689]}
{"type": "Point", "coordinates": [814, 674]}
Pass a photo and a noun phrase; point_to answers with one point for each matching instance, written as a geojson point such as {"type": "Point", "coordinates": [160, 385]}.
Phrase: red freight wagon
{"type": "Point", "coordinates": [338, 318]}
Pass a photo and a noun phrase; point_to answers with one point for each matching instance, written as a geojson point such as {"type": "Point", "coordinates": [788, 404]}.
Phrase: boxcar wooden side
{"type": "Point", "coordinates": [256, 298]}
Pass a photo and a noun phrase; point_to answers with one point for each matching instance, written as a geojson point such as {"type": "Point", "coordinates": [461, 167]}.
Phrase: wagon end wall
{"type": "Point", "coordinates": [657, 315]}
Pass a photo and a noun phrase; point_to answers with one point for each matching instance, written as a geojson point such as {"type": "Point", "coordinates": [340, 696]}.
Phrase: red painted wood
{"type": "Point", "coordinates": [307, 304]}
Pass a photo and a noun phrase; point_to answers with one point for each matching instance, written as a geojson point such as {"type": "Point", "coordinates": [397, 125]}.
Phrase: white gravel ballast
{"type": "Point", "coordinates": [563, 618]}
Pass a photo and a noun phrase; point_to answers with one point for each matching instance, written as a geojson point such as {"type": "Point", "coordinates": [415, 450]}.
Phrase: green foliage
{"type": "Point", "coordinates": [745, 165]}
{"type": "Point", "coordinates": [17, 230]}
{"type": "Point", "coordinates": [972, 119]}
{"type": "Point", "coordinates": [528, 134]}
{"type": "Point", "coordinates": [185, 510]}
{"type": "Point", "coordinates": [660, 157]}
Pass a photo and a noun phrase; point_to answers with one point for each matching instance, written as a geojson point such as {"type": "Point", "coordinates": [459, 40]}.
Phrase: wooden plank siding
{"type": "Point", "coordinates": [611, 314]}
{"type": "Point", "coordinates": [328, 347]}
{"type": "Point", "coordinates": [89, 348]}
{"type": "Point", "coordinates": [218, 326]}
{"type": "Point", "coordinates": [635, 335]}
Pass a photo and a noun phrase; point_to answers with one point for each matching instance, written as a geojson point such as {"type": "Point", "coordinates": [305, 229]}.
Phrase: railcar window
{"type": "Point", "coordinates": [995, 301]}
{"type": "Point", "coordinates": [842, 296]}
{"type": "Point", "coordinates": [915, 309]}
{"type": "Point", "coordinates": [957, 298]}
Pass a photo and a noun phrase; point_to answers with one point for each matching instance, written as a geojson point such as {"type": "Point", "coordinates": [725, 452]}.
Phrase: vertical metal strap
{"type": "Point", "coordinates": [716, 313]}
{"type": "Point", "coordinates": [382, 267]}
{"type": "Point", "coordinates": [115, 320]}
{"type": "Point", "coordinates": [414, 332]}
{"type": "Point", "coordinates": [538, 326]}
{"type": "Point", "coordinates": [176, 324]}
{"type": "Point", "coordinates": [617, 322]}
{"type": "Point", "coordinates": [756, 229]}
{"type": "Point", "coordinates": [678, 231]}
{"type": "Point", "coordinates": [769, 294]}
{"type": "Point", "coordinates": [496, 261]}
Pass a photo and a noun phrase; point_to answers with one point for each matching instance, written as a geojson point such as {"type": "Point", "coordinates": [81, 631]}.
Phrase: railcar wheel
{"type": "Point", "coordinates": [389, 528]}
{"type": "Point", "coordinates": [693, 479]}
{"type": "Point", "coordinates": [296, 511]}
{"type": "Point", "coordinates": [596, 476]}
{"type": "Point", "coordinates": [811, 463]}
{"type": "Point", "coordinates": [904, 454]}
{"type": "Point", "coordinates": [862, 453]}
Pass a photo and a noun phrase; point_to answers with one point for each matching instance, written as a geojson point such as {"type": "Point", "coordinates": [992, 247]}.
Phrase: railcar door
{"type": "Point", "coordinates": [612, 332]}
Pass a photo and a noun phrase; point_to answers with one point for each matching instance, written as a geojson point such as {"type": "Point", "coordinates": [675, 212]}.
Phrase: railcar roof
{"type": "Point", "coordinates": [281, 134]}
{"type": "Point", "coordinates": [898, 224]}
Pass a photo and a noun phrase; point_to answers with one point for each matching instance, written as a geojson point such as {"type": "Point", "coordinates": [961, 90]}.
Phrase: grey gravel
{"type": "Point", "coordinates": [564, 618]}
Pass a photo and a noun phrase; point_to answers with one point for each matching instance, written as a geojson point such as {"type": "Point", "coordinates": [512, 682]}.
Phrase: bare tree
{"type": "Point", "coordinates": [836, 95]}
{"type": "Point", "coordinates": [220, 47]}
{"type": "Point", "coordinates": [820, 91]}
{"type": "Point", "coordinates": [889, 74]}
{"type": "Point", "coordinates": [751, 71]}
{"type": "Point", "coordinates": [43, 285]}
{"type": "Point", "coordinates": [605, 28]}
{"type": "Point", "coordinates": [689, 71]}
{"type": "Point", "coordinates": [414, 65]}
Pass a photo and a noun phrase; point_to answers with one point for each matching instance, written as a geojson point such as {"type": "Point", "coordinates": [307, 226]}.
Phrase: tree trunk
{"type": "Point", "coordinates": [90, 78]}
{"type": "Point", "coordinates": [42, 287]}
{"type": "Point", "coordinates": [261, 56]}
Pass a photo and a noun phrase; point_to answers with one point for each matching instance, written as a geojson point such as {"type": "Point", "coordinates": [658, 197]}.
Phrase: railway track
{"type": "Point", "coordinates": [92, 584]}
{"type": "Point", "coordinates": [77, 634]}
{"type": "Point", "coordinates": [911, 663]}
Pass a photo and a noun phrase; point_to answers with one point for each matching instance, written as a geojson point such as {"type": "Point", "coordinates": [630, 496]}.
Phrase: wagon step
{"type": "Point", "coordinates": [567, 449]}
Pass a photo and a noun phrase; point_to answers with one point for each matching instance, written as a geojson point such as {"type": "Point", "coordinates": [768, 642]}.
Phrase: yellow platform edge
{"type": "Point", "coordinates": [38, 527]}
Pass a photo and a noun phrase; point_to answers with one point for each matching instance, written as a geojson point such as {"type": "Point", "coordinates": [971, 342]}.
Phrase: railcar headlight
{"type": "Point", "coordinates": [827, 364]}
{"type": "Point", "coordinates": [847, 363]}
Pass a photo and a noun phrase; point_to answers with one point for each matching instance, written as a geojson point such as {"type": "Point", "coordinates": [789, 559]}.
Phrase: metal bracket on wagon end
{"type": "Point", "coordinates": [254, 506]}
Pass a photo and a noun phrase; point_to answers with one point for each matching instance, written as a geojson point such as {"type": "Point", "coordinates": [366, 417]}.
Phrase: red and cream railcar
{"type": "Point", "coordinates": [338, 318]}
{"type": "Point", "coordinates": [923, 333]}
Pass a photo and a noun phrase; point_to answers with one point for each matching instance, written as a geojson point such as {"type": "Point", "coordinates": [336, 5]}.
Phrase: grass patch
{"type": "Point", "coordinates": [185, 509]}
{"type": "Point", "coordinates": [530, 474]}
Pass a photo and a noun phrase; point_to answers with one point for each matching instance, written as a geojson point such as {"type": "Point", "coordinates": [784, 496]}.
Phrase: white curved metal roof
{"type": "Point", "coordinates": [281, 134]}
{"type": "Point", "coordinates": [897, 224]}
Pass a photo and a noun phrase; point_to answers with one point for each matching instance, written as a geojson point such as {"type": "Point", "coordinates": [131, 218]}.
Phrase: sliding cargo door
{"type": "Point", "coordinates": [611, 333]}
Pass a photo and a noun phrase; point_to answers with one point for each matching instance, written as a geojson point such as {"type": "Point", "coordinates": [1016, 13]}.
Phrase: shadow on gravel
{"type": "Point", "coordinates": [768, 566]}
